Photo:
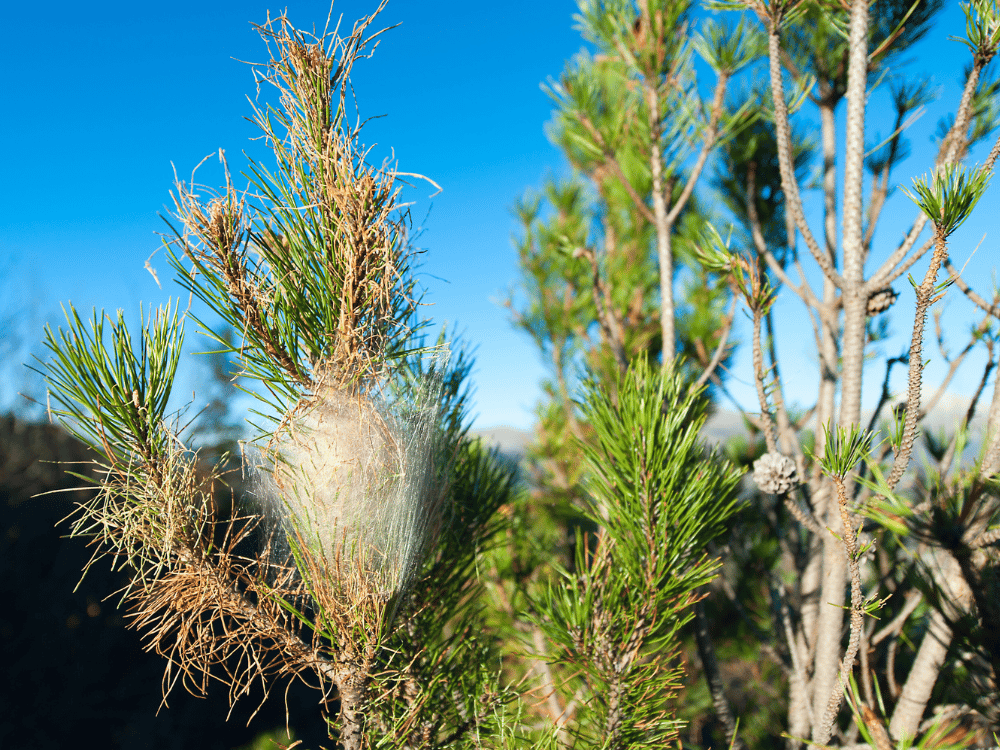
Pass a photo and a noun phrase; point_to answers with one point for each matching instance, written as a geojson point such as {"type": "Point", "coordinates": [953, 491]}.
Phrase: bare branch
{"type": "Point", "coordinates": [826, 726]}
{"type": "Point", "coordinates": [544, 672]}
{"type": "Point", "coordinates": [661, 223]}
{"type": "Point", "coordinates": [802, 516]}
{"type": "Point", "coordinates": [708, 142]}
{"type": "Point", "coordinates": [854, 295]}
{"type": "Point", "coordinates": [953, 365]}
{"type": "Point", "coordinates": [753, 419]}
{"type": "Point", "coordinates": [789, 183]}
{"type": "Point", "coordinates": [803, 290]}
{"type": "Point", "coordinates": [799, 674]}
{"type": "Point", "coordinates": [758, 379]}
{"type": "Point", "coordinates": [991, 456]}
{"type": "Point", "coordinates": [976, 299]}
{"type": "Point", "coordinates": [925, 293]}
{"type": "Point", "coordinates": [886, 395]}
{"type": "Point", "coordinates": [930, 657]}
{"type": "Point", "coordinates": [951, 148]}
{"type": "Point", "coordinates": [720, 350]}
{"type": "Point", "coordinates": [944, 466]}
{"type": "Point", "coordinates": [787, 438]}
{"type": "Point", "coordinates": [895, 625]}
{"type": "Point", "coordinates": [904, 266]}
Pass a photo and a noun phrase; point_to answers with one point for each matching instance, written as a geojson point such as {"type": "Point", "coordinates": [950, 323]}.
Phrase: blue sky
{"type": "Point", "coordinates": [101, 99]}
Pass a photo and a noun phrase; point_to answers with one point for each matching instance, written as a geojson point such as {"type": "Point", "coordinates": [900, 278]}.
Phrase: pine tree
{"type": "Point", "coordinates": [601, 253]}
{"type": "Point", "coordinates": [351, 563]}
{"type": "Point", "coordinates": [832, 534]}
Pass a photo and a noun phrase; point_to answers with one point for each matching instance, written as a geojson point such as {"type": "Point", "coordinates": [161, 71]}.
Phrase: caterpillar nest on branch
{"type": "Point", "coordinates": [350, 481]}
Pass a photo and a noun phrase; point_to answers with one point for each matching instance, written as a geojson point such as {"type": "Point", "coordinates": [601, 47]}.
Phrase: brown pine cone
{"type": "Point", "coordinates": [881, 300]}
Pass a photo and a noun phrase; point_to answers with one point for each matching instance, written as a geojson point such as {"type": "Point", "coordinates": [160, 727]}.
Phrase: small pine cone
{"type": "Point", "coordinates": [881, 300]}
{"type": "Point", "coordinates": [775, 473]}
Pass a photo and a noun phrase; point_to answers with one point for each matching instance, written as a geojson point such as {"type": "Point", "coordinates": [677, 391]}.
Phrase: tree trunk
{"type": "Point", "coordinates": [815, 588]}
{"type": "Point", "coordinates": [854, 299]}
{"type": "Point", "coordinates": [715, 686]}
{"type": "Point", "coordinates": [917, 690]}
{"type": "Point", "coordinates": [352, 717]}
{"type": "Point", "coordinates": [831, 617]}
{"type": "Point", "coordinates": [663, 249]}
{"type": "Point", "coordinates": [853, 293]}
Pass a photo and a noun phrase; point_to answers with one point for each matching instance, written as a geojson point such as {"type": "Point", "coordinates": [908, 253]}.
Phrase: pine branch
{"type": "Point", "coordinates": [789, 183]}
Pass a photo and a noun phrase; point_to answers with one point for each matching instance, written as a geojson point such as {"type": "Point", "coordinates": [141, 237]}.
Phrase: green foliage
{"type": "Point", "coordinates": [576, 585]}
{"type": "Point", "coordinates": [114, 393]}
{"type": "Point", "coordinates": [949, 196]}
{"type": "Point", "coordinates": [590, 295]}
{"type": "Point", "coordinates": [752, 153]}
{"type": "Point", "coordinates": [437, 679]}
{"type": "Point", "coordinates": [633, 114]}
{"type": "Point", "coordinates": [315, 276]}
{"type": "Point", "coordinates": [815, 36]}
{"type": "Point", "coordinates": [948, 522]}
{"type": "Point", "coordinates": [982, 28]}
{"type": "Point", "coordinates": [220, 426]}
{"type": "Point", "coordinates": [590, 298]}
{"type": "Point", "coordinates": [612, 25]}
{"type": "Point", "coordinates": [658, 498]}
{"type": "Point", "coordinates": [729, 48]}
{"type": "Point", "coordinates": [844, 449]}
{"type": "Point", "coordinates": [269, 740]}
{"type": "Point", "coordinates": [648, 466]}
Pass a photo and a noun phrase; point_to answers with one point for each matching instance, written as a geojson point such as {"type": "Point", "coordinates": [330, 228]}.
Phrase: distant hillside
{"type": "Point", "coordinates": [727, 423]}
{"type": "Point", "coordinates": [946, 416]}
{"type": "Point", "coordinates": [511, 441]}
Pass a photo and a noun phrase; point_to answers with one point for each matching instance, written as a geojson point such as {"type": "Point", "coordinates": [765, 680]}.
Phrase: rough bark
{"type": "Point", "coordinates": [786, 166]}
{"type": "Point", "coordinates": [852, 350]}
{"type": "Point", "coordinates": [925, 293]}
{"type": "Point", "coordinates": [854, 295]}
{"type": "Point", "coordinates": [828, 722]}
{"type": "Point", "coordinates": [821, 622]}
{"type": "Point", "coordinates": [351, 711]}
{"type": "Point", "coordinates": [830, 616]}
{"type": "Point", "coordinates": [828, 315]}
{"type": "Point", "coordinates": [800, 713]}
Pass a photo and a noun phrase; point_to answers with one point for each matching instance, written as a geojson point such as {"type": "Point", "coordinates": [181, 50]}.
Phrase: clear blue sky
{"type": "Point", "coordinates": [101, 98]}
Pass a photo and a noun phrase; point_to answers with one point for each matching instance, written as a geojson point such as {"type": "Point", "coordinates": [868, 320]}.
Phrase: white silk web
{"type": "Point", "coordinates": [351, 481]}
